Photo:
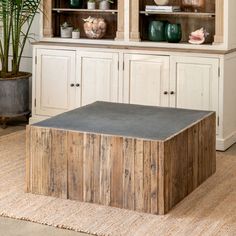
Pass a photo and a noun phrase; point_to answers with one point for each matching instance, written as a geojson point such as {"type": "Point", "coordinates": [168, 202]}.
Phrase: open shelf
{"type": "Point", "coordinates": [59, 10]}
{"type": "Point", "coordinates": [184, 14]}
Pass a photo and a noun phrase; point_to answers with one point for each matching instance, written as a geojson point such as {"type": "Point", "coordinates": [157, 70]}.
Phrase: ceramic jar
{"type": "Point", "coordinates": [173, 33]}
{"type": "Point", "coordinates": [75, 3]}
{"type": "Point", "coordinates": [66, 32]}
{"type": "Point", "coordinates": [104, 5]}
{"type": "Point", "coordinates": [91, 5]}
{"type": "Point", "coordinates": [196, 5]}
{"type": "Point", "coordinates": [156, 31]}
{"type": "Point", "coordinates": [75, 35]}
{"type": "Point", "coordinates": [161, 2]}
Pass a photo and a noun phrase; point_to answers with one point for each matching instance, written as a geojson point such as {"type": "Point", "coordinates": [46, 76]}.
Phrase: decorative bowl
{"type": "Point", "coordinates": [161, 2]}
{"type": "Point", "coordinates": [95, 28]}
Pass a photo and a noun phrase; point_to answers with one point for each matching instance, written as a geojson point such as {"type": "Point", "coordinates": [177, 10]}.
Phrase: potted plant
{"type": "Point", "coordinates": [66, 30]}
{"type": "Point", "coordinates": [105, 4]}
{"type": "Point", "coordinates": [76, 33]}
{"type": "Point", "coordinates": [16, 17]}
{"type": "Point", "coordinates": [91, 4]}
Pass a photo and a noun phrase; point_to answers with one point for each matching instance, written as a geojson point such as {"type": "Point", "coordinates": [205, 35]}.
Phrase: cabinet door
{"type": "Point", "coordinates": [195, 82]}
{"type": "Point", "coordinates": [55, 72]}
{"type": "Point", "coordinates": [98, 76]}
{"type": "Point", "coordinates": [146, 78]}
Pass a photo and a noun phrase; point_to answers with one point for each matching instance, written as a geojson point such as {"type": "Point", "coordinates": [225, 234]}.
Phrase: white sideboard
{"type": "Point", "coordinates": [70, 76]}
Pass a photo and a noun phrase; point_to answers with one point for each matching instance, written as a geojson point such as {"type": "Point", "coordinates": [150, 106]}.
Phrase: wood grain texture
{"type": "Point", "coordinates": [75, 165]}
{"type": "Point", "coordinates": [144, 175]}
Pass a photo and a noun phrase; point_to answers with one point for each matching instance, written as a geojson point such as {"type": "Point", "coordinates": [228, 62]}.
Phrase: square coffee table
{"type": "Point", "coordinates": [135, 157]}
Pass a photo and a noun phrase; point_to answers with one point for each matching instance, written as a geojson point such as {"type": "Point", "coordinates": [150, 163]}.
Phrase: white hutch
{"type": "Point", "coordinates": [126, 67]}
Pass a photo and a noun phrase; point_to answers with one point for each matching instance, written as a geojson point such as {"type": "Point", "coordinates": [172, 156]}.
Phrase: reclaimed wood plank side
{"type": "Point", "coordinates": [128, 174]}
{"type": "Point", "coordinates": [88, 161]}
{"type": "Point", "coordinates": [96, 168]}
{"type": "Point", "coordinates": [193, 153]}
{"type": "Point", "coordinates": [207, 154]}
{"type": "Point", "coordinates": [176, 156]}
{"type": "Point", "coordinates": [147, 175]}
{"type": "Point", "coordinates": [58, 183]}
{"type": "Point", "coordinates": [139, 176]}
{"type": "Point", "coordinates": [212, 142]}
{"type": "Point", "coordinates": [75, 141]}
{"type": "Point", "coordinates": [116, 171]}
{"type": "Point", "coordinates": [161, 179]}
{"type": "Point", "coordinates": [40, 160]}
{"type": "Point", "coordinates": [105, 168]}
{"type": "Point", "coordinates": [154, 176]}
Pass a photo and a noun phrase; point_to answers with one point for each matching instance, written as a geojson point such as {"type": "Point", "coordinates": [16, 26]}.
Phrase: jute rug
{"type": "Point", "coordinates": [209, 210]}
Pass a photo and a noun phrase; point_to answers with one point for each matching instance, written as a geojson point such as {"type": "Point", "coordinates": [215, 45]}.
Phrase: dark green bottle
{"type": "Point", "coordinates": [173, 33]}
{"type": "Point", "coordinates": [75, 3]}
{"type": "Point", "coordinates": [156, 31]}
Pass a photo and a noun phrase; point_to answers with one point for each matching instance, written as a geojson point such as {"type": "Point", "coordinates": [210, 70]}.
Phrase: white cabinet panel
{"type": "Point", "coordinates": [98, 77]}
{"type": "Point", "coordinates": [146, 78]}
{"type": "Point", "coordinates": [195, 83]}
{"type": "Point", "coordinates": [54, 76]}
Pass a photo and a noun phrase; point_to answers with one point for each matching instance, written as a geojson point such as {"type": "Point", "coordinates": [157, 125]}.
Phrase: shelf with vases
{"type": "Point", "coordinates": [60, 10]}
{"type": "Point", "coordinates": [57, 12]}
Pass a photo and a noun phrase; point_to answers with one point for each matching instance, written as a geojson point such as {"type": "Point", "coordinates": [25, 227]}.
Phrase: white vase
{"type": "Point", "coordinates": [75, 35]}
{"type": "Point", "coordinates": [91, 5]}
{"type": "Point", "coordinates": [104, 5]}
{"type": "Point", "coordinates": [66, 32]}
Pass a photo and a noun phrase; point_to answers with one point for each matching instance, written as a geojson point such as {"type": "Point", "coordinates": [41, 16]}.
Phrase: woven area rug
{"type": "Point", "coordinates": [209, 210]}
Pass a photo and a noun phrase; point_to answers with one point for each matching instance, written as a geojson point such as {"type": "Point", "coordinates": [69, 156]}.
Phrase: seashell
{"type": "Point", "coordinates": [102, 24]}
{"type": "Point", "coordinates": [198, 36]}
{"type": "Point", "coordinates": [95, 28]}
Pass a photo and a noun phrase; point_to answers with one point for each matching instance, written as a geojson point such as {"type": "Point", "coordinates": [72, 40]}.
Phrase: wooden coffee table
{"type": "Point", "coordinates": [128, 156]}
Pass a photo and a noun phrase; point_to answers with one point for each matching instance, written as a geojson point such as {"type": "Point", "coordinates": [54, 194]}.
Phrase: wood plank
{"type": "Point", "coordinates": [75, 165]}
{"type": "Point", "coordinates": [193, 154]}
{"type": "Point", "coordinates": [154, 176]}
{"type": "Point", "coordinates": [116, 171]}
{"type": "Point", "coordinates": [88, 161]}
{"type": "Point", "coordinates": [105, 168]}
{"type": "Point", "coordinates": [58, 172]}
{"type": "Point", "coordinates": [139, 175]}
{"type": "Point", "coordinates": [128, 174]}
{"type": "Point", "coordinates": [40, 160]}
{"type": "Point", "coordinates": [96, 168]}
{"type": "Point", "coordinates": [147, 175]}
{"type": "Point", "coordinates": [161, 179]}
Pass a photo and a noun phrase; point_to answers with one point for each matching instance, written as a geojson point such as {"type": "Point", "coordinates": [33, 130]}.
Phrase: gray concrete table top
{"type": "Point", "coordinates": [145, 122]}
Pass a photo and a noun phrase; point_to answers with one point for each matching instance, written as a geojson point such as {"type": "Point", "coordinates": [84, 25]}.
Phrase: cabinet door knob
{"type": "Point", "coordinates": [172, 92]}
{"type": "Point", "coordinates": [77, 85]}
{"type": "Point", "coordinates": [72, 85]}
{"type": "Point", "coordinates": [165, 92]}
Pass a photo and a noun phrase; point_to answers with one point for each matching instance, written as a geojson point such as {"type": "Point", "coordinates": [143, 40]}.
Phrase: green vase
{"type": "Point", "coordinates": [156, 31]}
{"type": "Point", "coordinates": [75, 3]}
{"type": "Point", "coordinates": [173, 33]}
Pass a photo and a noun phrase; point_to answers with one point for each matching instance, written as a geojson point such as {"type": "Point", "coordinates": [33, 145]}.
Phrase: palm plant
{"type": "Point", "coordinates": [16, 17]}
